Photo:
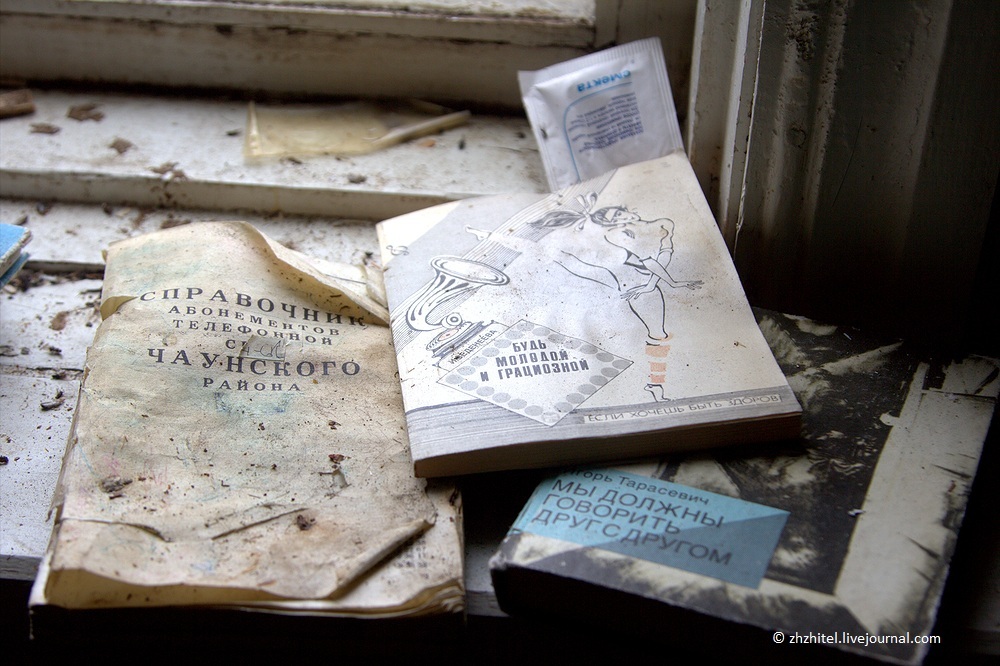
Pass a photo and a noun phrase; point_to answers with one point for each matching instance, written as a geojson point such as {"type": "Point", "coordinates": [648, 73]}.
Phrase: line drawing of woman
{"type": "Point", "coordinates": [637, 272]}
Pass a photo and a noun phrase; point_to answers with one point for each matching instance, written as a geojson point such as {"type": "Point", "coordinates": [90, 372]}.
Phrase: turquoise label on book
{"type": "Point", "coordinates": [667, 523]}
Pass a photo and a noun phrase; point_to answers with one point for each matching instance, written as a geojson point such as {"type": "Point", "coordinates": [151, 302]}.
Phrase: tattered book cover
{"type": "Point", "coordinates": [239, 441]}
{"type": "Point", "coordinates": [843, 537]}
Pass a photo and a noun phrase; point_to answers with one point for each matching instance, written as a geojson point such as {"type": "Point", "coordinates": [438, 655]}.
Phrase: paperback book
{"type": "Point", "coordinates": [605, 321]}
{"type": "Point", "coordinates": [840, 540]}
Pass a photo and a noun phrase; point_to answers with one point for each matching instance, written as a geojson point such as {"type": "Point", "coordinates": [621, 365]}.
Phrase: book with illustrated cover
{"type": "Point", "coordinates": [602, 322]}
{"type": "Point", "coordinates": [239, 443]}
{"type": "Point", "coordinates": [841, 540]}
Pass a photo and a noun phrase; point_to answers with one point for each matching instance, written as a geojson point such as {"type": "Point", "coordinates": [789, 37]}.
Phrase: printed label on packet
{"type": "Point", "coordinates": [601, 111]}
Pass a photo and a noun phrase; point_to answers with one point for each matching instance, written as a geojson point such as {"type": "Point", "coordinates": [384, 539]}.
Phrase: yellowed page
{"type": "Point", "coordinates": [239, 436]}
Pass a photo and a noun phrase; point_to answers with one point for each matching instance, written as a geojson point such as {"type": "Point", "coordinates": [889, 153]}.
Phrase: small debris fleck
{"type": "Point", "coordinates": [428, 143]}
{"type": "Point", "coordinates": [58, 322]}
{"type": "Point", "coordinates": [356, 178]}
{"type": "Point", "coordinates": [84, 112]}
{"type": "Point", "coordinates": [43, 207]}
{"type": "Point", "coordinates": [172, 221]}
{"type": "Point", "coordinates": [333, 426]}
{"type": "Point", "coordinates": [337, 458]}
{"type": "Point", "coordinates": [45, 128]}
{"type": "Point", "coordinates": [234, 132]}
{"type": "Point", "coordinates": [4, 460]}
{"type": "Point", "coordinates": [120, 145]}
{"type": "Point", "coordinates": [304, 523]}
{"type": "Point", "coordinates": [169, 171]}
{"type": "Point", "coordinates": [114, 484]}
{"type": "Point", "coordinates": [461, 143]}
{"type": "Point", "coordinates": [55, 403]}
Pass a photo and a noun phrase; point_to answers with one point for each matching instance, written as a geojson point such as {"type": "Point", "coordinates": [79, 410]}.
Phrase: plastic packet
{"type": "Point", "coordinates": [349, 128]}
{"type": "Point", "coordinates": [601, 111]}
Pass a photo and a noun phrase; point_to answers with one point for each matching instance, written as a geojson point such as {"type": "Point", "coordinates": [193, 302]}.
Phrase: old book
{"type": "Point", "coordinates": [604, 321]}
{"type": "Point", "coordinates": [13, 238]}
{"type": "Point", "coordinates": [239, 443]}
{"type": "Point", "coordinates": [841, 540]}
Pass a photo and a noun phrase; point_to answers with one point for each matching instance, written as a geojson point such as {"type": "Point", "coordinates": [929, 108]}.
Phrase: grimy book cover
{"type": "Point", "coordinates": [604, 321]}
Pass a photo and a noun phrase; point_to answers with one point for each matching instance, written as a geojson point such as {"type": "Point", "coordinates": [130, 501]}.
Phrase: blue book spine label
{"type": "Point", "coordinates": [658, 521]}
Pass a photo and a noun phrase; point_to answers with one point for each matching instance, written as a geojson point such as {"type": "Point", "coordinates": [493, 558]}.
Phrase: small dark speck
{"type": "Point", "coordinates": [356, 178]}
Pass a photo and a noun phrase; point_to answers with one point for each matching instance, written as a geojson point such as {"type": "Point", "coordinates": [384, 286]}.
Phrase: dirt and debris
{"type": "Point", "coordinates": [337, 458]}
{"type": "Point", "coordinates": [172, 222]}
{"type": "Point", "coordinates": [140, 217]}
{"type": "Point", "coordinates": [356, 178]}
{"type": "Point", "coordinates": [4, 460]}
{"type": "Point", "coordinates": [333, 426]}
{"type": "Point", "coordinates": [304, 523]}
{"type": "Point", "coordinates": [82, 112]}
{"type": "Point", "coordinates": [113, 486]}
{"type": "Point", "coordinates": [55, 403]}
{"type": "Point", "coordinates": [29, 278]}
{"type": "Point", "coordinates": [58, 321]}
{"type": "Point", "coordinates": [16, 103]}
{"type": "Point", "coordinates": [120, 145]}
{"type": "Point", "coordinates": [169, 171]}
{"type": "Point", "coordinates": [45, 128]}
{"type": "Point", "coordinates": [43, 207]}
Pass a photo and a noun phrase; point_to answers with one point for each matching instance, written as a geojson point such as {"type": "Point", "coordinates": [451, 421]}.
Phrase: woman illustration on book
{"type": "Point", "coordinates": [637, 269]}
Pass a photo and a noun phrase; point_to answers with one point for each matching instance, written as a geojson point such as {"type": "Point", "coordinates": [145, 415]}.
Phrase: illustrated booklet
{"type": "Point", "coordinates": [239, 443]}
{"type": "Point", "coordinates": [602, 322]}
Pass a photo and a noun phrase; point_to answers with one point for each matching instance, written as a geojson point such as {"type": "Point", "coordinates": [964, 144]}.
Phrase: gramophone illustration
{"type": "Point", "coordinates": [455, 280]}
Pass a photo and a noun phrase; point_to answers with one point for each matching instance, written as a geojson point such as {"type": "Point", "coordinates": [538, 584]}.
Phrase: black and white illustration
{"type": "Point", "coordinates": [612, 253]}
{"type": "Point", "coordinates": [608, 309]}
